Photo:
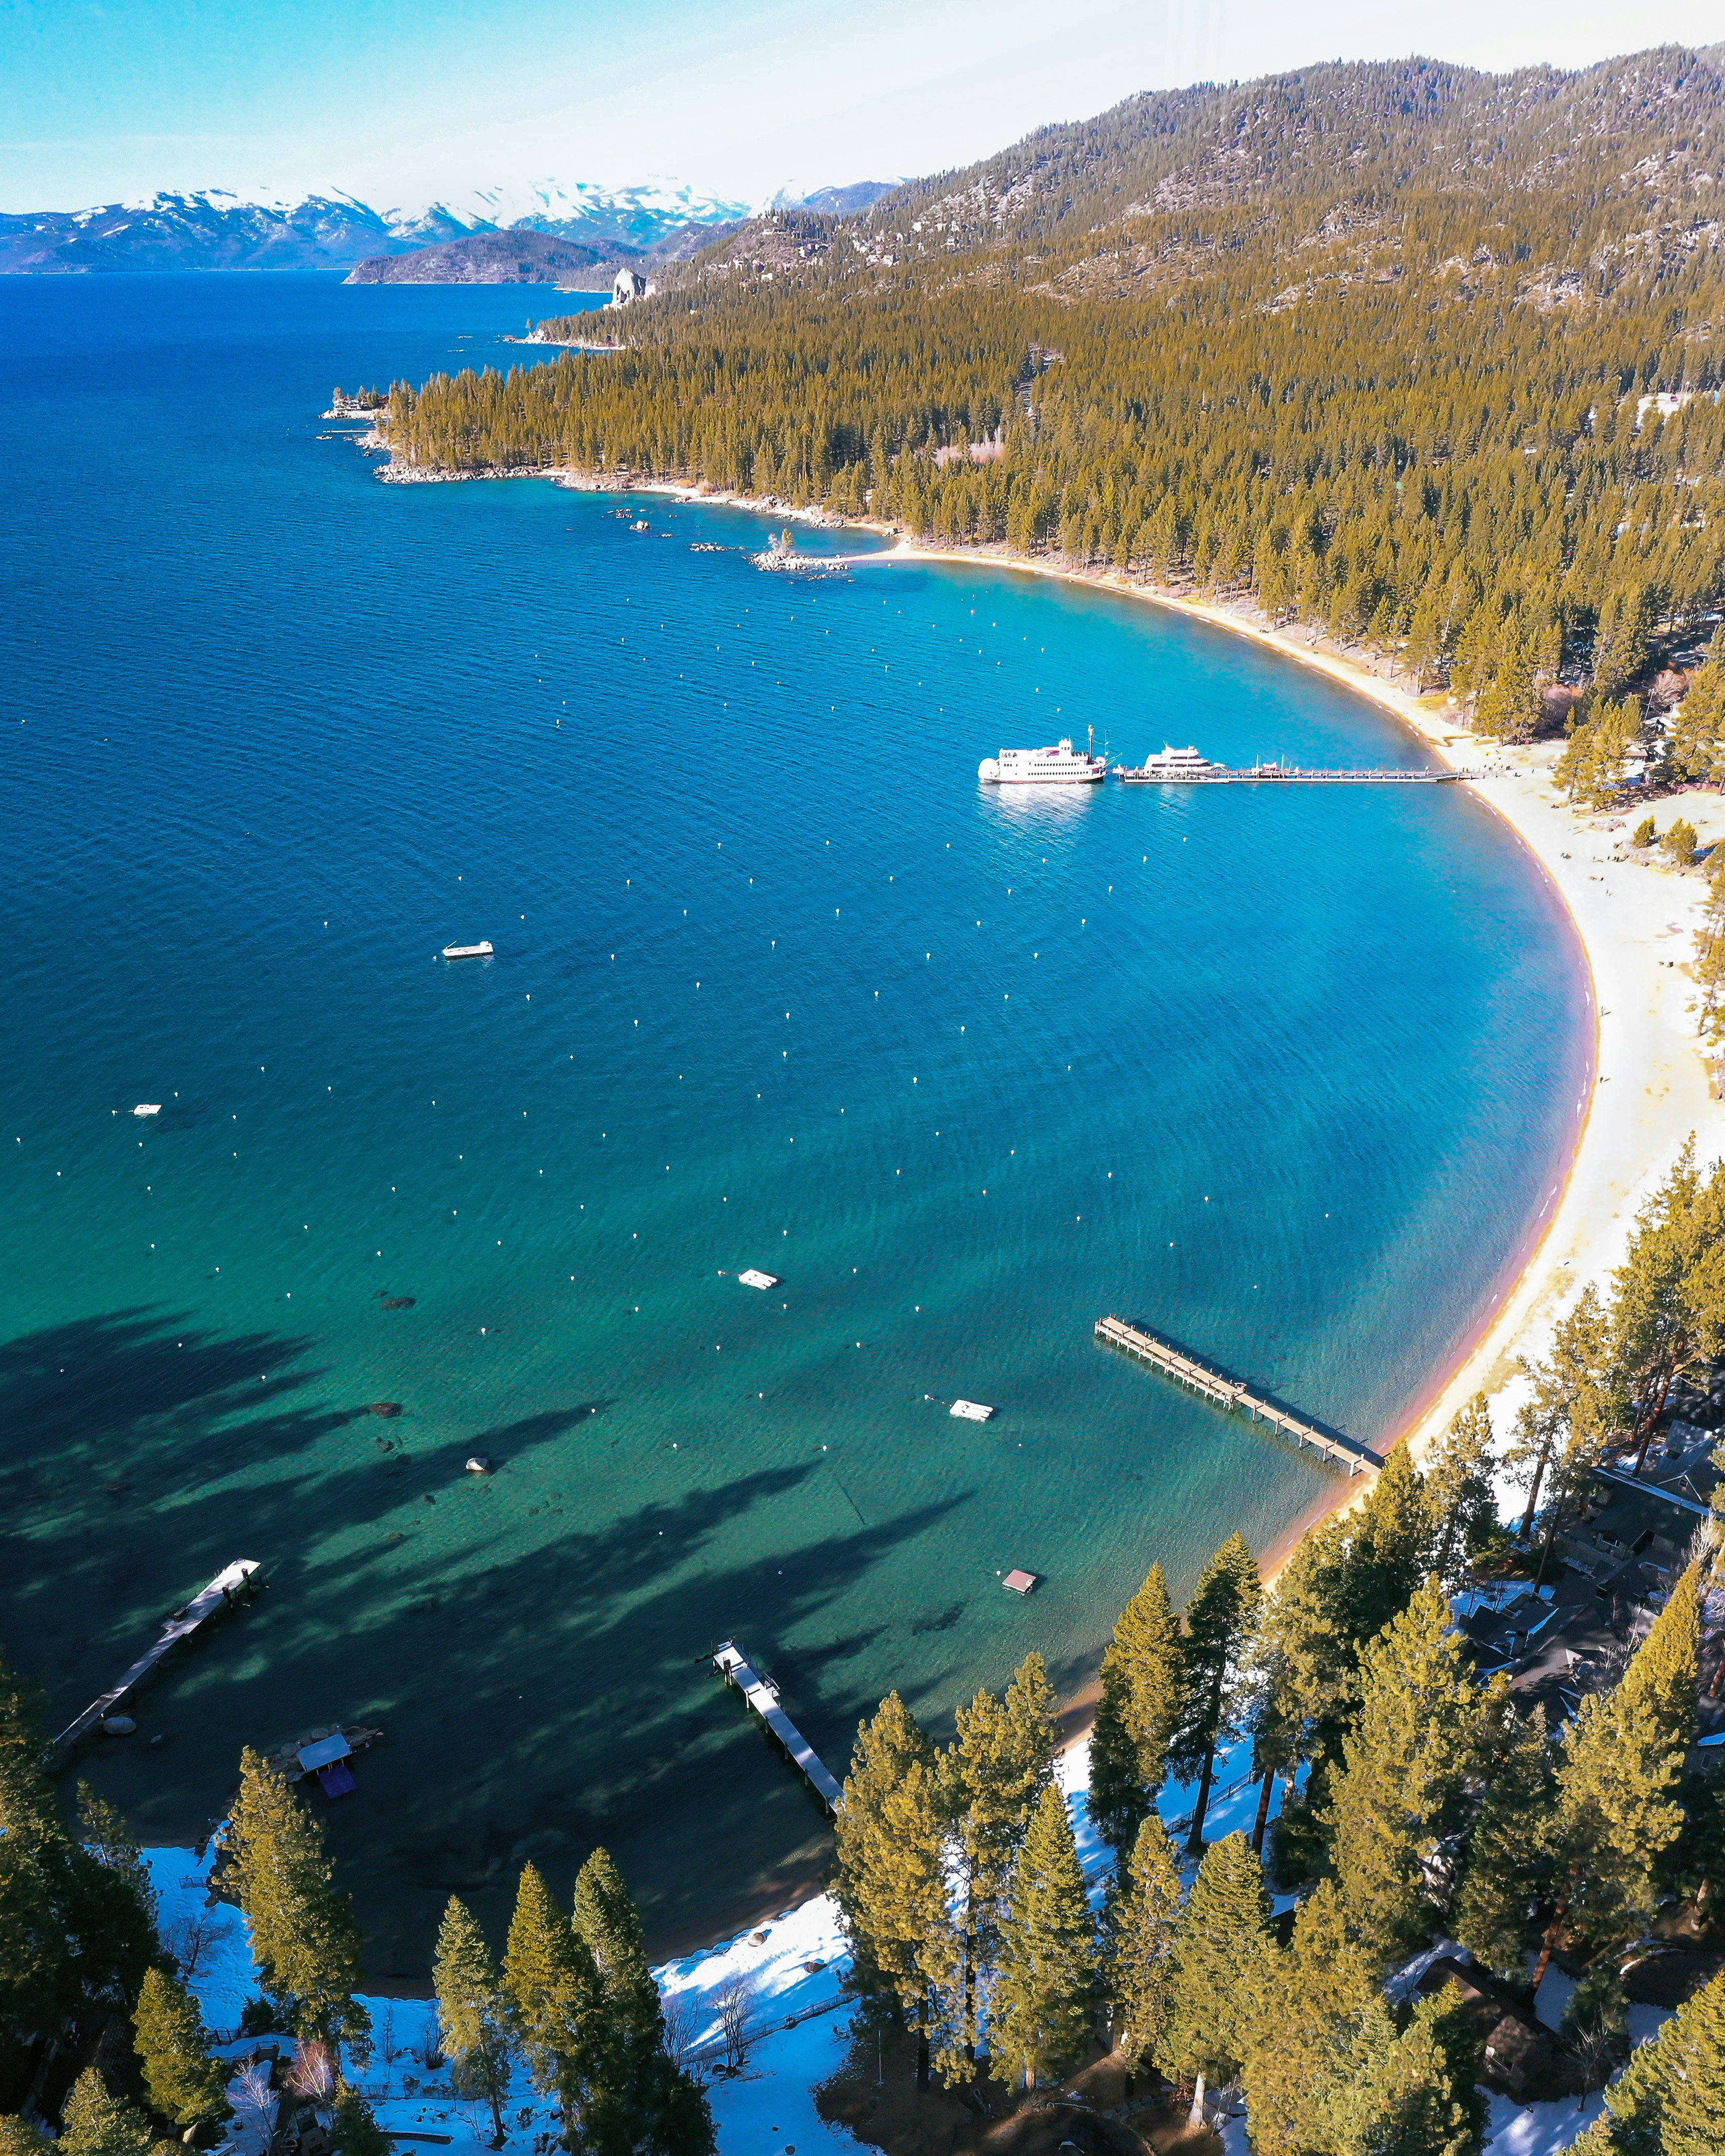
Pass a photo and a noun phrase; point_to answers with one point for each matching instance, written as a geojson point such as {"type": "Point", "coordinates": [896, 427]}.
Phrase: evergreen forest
{"type": "Point", "coordinates": [1426, 359]}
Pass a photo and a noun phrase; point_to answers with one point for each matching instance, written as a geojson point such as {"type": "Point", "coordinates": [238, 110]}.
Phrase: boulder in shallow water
{"type": "Point", "coordinates": [386, 1407]}
{"type": "Point", "coordinates": [397, 1302]}
{"type": "Point", "coordinates": [481, 1464]}
{"type": "Point", "coordinates": [118, 1725]}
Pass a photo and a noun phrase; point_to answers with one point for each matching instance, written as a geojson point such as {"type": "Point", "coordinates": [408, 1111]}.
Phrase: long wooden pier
{"type": "Point", "coordinates": [1283, 774]}
{"type": "Point", "coordinates": [1230, 1393]}
{"type": "Point", "coordinates": [233, 1585]}
{"type": "Point", "coordinates": [761, 1694]}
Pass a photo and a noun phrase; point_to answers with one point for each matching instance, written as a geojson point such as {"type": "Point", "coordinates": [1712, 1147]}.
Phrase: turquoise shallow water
{"type": "Point", "coordinates": [1288, 1075]}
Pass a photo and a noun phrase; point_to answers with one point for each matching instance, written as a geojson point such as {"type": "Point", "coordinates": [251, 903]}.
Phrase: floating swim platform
{"type": "Point", "coordinates": [1018, 1581]}
{"type": "Point", "coordinates": [468, 950]}
{"type": "Point", "coordinates": [755, 1278]}
{"type": "Point", "coordinates": [147, 1108]}
{"type": "Point", "coordinates": [972, 1411]}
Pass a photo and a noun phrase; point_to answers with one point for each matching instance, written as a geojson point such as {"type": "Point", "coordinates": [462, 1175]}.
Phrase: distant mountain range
{"type": "Point", "coordinates": [217, 229]}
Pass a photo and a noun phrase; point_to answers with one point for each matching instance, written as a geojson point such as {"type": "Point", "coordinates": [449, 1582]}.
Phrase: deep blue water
{"type": "Point", "coordinates": [1288, 1075]}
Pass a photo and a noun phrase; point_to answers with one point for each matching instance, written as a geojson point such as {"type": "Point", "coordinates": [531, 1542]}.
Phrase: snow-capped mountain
{"type": "Point", "coordinates": [583, 211]}
{"type": "Point", "coordinates": [220, 228]}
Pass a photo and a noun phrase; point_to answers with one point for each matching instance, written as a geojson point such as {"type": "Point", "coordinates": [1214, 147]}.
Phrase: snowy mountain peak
{"type": "Point", "coordinates": [582, 209]}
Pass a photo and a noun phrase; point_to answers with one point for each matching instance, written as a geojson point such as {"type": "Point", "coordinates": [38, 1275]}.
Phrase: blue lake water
{"type": "Point", "coordinates": [1286, 1074]}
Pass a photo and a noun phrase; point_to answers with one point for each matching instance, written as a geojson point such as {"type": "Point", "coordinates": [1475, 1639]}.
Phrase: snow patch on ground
{"type": "Point", "coordinates": [768, 2108]}
{"type": "Point", "coordinates": [794, 1965]}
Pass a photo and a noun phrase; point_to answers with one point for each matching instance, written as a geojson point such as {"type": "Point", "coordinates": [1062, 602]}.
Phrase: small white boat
{"type": "Point", "coordinates": [468, 950]}
{"type": "Point", "coordinates": [973, 1410]}
{"type": "Point", "coordinates": [147, 1108]}
{"type": "Point", "coordinates": [755, 1278]}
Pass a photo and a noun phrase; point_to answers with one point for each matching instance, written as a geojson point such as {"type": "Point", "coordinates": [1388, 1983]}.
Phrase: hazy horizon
{"type": "Point", "coordinates": [398, 107]}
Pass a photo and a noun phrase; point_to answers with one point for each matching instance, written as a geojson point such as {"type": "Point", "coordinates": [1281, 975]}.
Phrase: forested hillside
{"type": "Point", "coordinates": [1427, 358]}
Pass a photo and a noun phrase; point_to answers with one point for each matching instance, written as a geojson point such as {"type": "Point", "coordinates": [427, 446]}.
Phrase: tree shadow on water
{"type": "Point", "coordinates": [534, 1643]}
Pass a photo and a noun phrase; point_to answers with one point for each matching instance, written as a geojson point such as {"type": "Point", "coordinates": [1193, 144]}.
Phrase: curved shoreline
{"type": "Point", "coordinates": [1644, 1045]}
{"type": "Point", "coordinates": [1635, 926]}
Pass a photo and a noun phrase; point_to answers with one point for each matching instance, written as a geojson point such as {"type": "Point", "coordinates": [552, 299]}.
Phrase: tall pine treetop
{"type": "Point", "coordinates": [1048, 1994]}
{"type": "Point", "coordinates": [1218, 1965]}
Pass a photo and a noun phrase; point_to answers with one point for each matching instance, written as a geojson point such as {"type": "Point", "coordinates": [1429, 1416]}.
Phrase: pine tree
{"type": "Point", "coordinates": [1417, 2095]}
{"type": "Point", "coordinates": [903, 1904]}
{"type": "Point", "coordinates": [1696, 745]}
{"type": "Point", "coordinates": [1142, 1923]}
{"type": "Point", "coordinates": [98, 2124]}
{"type": "Point", "coordinates": [990, 1798]}
{"type": "Point", "coordinates": [185, 2084]}
{"type": "Point", "coordinates": [642, 2103]}
{"type": "Point", "coordinates": [1305, 1647]}
{"type": "Point", "coordinates": [1617, 1811]}
{"type": "Point", "coordinates": [1136, 1714]}
{"type": "Point", "coordinates": [1302, 2033]}
{"type": "Point", "coordinates": [1508, 1866]}
{"type": "Point", "coordinates": [886, 1748]}
{"type": "Point", "coordinates": [1460, 1504]}
{"type": "Point", "coordinates": [1670, 2099]}
{"type": "Point", "coordinates": [551, 1988]}
{"type": "Point", "coordinates": [23, 2137]}
{"type": "Point", "coordinates": [472, 2014]}
{"type": "Point", "coordinates": [1574, 1393]}
{"type": "Point", "coordinates": [76, 1916]}
{"type": "Point", "coordinates": [1387, 1556]}
{"type": "Point", "coordinates": [1030, 1705]}
{"type": "Point", "coordinates": [1509, 706]}
{"type": "Point", "coordinates": [1621, 642]}
{"type": "Point", "coordinates": [304, 1936]}
{"type": "Point", "coordinates": [607, 1918]}
{"type": "Point", "coordinates": [891, 1887]}
{"type": "Point", "coordinates": [1219, 1624]}
{"type": "Point", "coordinates": [1416, 1739]}
{"type": "Point", "coordinates": [357, 2132]}
{"type": "Point", "coordinates": [1218, 1966]}
{"type": "Point", "coordinates": [1049, 1989]}
{"type": "Point", "coordinates": [1668, 1300]}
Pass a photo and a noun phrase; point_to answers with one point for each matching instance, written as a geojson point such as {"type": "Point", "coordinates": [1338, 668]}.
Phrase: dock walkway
{"type": "Point", "coordinates": [230, 1586]}
{"type": "Point", "coordinates": [761, 1694]}
{"type": "Point", "coordinates": [1230, 1393]}
{"type": "Point", "coordinates": [1276, 774]}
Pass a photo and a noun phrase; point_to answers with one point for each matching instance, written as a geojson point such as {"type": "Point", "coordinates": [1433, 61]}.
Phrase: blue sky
{"type": "Point", "coordinates": [399, 102]}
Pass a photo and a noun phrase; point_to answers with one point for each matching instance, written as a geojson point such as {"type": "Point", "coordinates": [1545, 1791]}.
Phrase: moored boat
{"type": "Point", "coordinates": [1174, 767]}
{"type": "Point", "coordinates": [1061, 765]}
{"type": "Point", "coordinates": [468, 950]}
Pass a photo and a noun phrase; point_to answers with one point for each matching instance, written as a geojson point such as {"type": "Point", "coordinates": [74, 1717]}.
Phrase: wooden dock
{"type": "Point", "coordinates": [1230, 1393]}
{"type": "Point", "coordinates": [231, 1586]}
{"type": "Point", "coordinates": [761, 1695]}
{"type": "Point", "coordinates": [1284, 774]}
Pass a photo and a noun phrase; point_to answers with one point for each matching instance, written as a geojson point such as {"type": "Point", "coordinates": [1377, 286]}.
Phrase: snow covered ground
{"type": "Point", "coordinates": [793, 1967]}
